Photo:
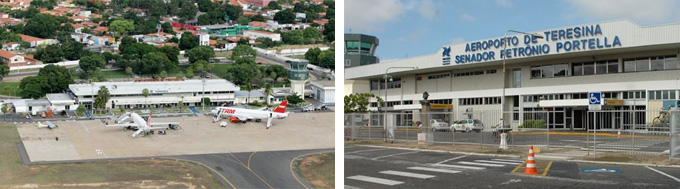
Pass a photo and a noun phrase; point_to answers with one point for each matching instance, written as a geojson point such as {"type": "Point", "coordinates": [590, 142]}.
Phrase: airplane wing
{"type": "Point", "coordinates": [40, 125]}
{"type": "Point", "coordinates": [164, 123]}
{"type": "Point", "coordinates": [123, 125]}
{"type": "Point", "coordinates": [157, 128]}
{"type": "Point", "coordinates": [241, 117]}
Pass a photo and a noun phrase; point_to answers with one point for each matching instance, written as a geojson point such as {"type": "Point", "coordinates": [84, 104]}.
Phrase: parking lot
{"type": "Point", "coordinates": [80, 140]}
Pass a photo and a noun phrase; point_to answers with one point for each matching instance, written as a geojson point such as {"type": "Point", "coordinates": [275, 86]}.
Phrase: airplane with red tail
{"type": "Point", "coordinates": [243, 115]}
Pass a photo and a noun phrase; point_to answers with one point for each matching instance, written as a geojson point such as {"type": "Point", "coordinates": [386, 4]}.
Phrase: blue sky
{"type": "Point", "coordinates": [421, 27]}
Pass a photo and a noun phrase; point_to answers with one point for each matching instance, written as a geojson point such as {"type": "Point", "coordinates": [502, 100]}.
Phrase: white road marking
{"type": "Point", "coordinates": [393, 155]}
{"type": "Point", "coordinates": [481, 164]}
{"type": "Point", "coordinates": [375, 180]}
{"type": "Point", "coordinates": [363, 151]}
{"type": "Point", "coordinates": [451, 159]}
{"type": "Point", "coordinates": [510, 160]}
{"type": "Point", "coordinates": [459, 166]}
{"type": "Point", "coordinates": [664, 174]}
{"type": "Point", "coordinates": [433, 170]}
{"type": "Point", "coordinates": [407, 174]}
{"type": "Point", "coordinates": [351, 187]}
{"type": "Point", "coordinates": [498, 162]}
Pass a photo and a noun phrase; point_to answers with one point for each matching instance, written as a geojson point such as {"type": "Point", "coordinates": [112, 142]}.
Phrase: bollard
{"type": "Point", "coordinates": [504, 142]}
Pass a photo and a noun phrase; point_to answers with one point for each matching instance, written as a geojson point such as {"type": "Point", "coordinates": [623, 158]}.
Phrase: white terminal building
{"type": "Point", "coordinates": [631, 65]}
{"type": "Point", "coordinates": [161, 93]}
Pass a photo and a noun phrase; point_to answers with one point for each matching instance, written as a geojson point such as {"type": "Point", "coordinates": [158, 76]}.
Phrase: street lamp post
{"type": "Point", "coordinates": [504, 54]}
{"type": "Point", "coordinates": [388, 69]}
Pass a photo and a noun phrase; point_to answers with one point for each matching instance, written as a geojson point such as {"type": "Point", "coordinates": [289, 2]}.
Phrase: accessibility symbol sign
{"type": "Point", "coordinates": [595, 98]}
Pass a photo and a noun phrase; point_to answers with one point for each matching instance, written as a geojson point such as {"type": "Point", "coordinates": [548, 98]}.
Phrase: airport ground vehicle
{"type": "Point", "coordinates": [467, 125]}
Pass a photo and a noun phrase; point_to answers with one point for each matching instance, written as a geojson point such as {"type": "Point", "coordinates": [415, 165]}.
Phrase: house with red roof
{"type": "Point", "coordinates": [36, 41]}
{"type": "Point", "coordinates": [12, 60]}
{"type": "Point", "coordinates": [254, 34]}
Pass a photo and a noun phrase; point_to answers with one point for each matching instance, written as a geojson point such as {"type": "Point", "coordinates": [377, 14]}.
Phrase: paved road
{"type": "Point", "coordinates": [279, 61]}
{"type": "Point", "coordinates": [256, 169]}
{"type": "Point", "coordinates": [647, 143]}
{"type": "Point", "coordinates": [367, 167]}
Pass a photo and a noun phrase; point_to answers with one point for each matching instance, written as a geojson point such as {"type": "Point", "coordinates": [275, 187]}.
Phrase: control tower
{"type": "Point", "coordinates": [298, 75]}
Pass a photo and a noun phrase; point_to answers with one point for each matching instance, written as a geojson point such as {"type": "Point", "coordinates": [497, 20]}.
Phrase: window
{"type": "Point", "coordinates": [642, 65]}
{"type": "Point", "coordinates": [352, 47]}
{"type": "Point", "coordinates": [440, 76]}
{"type": "Point", "coordinates": [470, 101]}
{"type": "Point", "coordinates": [560, 70]}
{"type": "Point", "coordinates": [535, 72]}
{"type": "Point", "coordinates": [588, 69]}
{"type": "Point", "coordinates": [634, 95]}
{"type": "Point", "coordinates": [578, 68]}
{"type": "Point", "coordinates": [662, 95]}
{"type": "Point", "coordinates": [407, 102]}
{"type": "Point", "coordinates": [468, 73]}
{"type": "Point", "coordinates": [365, 48]}
{"type": "Point", "coordinates": [548, 71]}
{"type": "Point", "coordinates": [670, 62]}
{"type": "Point", "coordinates": [492, 100]}
{"type": "Point", "coordinates": [600, 67]}
{"type": "Point", "coordinates": [491, 71]}
{"type": "Point", "coordinates": [380, 84]}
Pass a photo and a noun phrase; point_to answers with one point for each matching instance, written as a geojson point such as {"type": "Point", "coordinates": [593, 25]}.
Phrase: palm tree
{"type": "Point", "coordinates": [248, 87]}
{"type": "Point", "coordinates": [267, 91]}
{"type": "Point", "coordinates": [145, 93]}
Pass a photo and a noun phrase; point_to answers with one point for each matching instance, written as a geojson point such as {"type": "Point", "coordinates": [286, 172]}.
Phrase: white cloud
{"type": "Point", "coordinates": [366, 16]}
{"type": "Point", "coordinates": [457, 40]}
{"type": "Point", "coordinates": [414, 35]}
{"type": "Point", "coordinates": [467, 17]}
{"type": "Point", "coordinates": [427, 9]}
{"type": "Point", "coordinates": [504, 3]}
{"type": "Point", "coordinates": [641, 12]}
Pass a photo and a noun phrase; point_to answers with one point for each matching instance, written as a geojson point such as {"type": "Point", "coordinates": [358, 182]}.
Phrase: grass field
{"type": "Point", "coordinates": [9, 88]}
{"type": "Point", "coordinates": [297, 46]}
{"type": "Point", "coordinates": [109, 174]}
{"type": "Point", "coordinates": [319, 170]}
{"type": "Point", "coordinates": [115, 74]}
{"type": "Point", "coordinates": [297, 56]}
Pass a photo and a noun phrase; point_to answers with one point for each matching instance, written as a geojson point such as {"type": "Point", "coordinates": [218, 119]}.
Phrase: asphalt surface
{"type": "Point", "coordinates": [367, 167]}
{"type": "Point", "coordinates": [642, 142]}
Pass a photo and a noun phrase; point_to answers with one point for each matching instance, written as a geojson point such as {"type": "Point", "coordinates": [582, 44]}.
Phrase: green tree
{"type": "Point", "coordinates": [128, 70]}
{"type": "Point", "coordinates": [274, 5]}
{"type": "Point", "coordinates": [205, 100]}
{"type": "Point", "coordinates": [81, 110]}
{"type": "Point", "coordinates": [188, 11]}
{"type": "Point", "coordinates": [90, 63]}
{"type": "Point", "coordinates": [243, 54]}
{"type": "Point", "coordinates": [190, 73]}
{"type": "Point", "coordinates": [33, 87]}
{"type": "Point", "coordinates": [71, 49]}
{"type": "Point", "coordinates": [266, 42]}
{"type": "Point", "coordinates": [204, 19]}
{"type": "Point", "coordinates": [49, 54]}
{"type": "Point", "coordinates": [173, 55]}
{"type": "Point", "coordinates": [243, 20]}
{"type": "Point", "coordinates": [312, 55]}
{"type": "Point", "coordinates": [154, 63]}
{"type": "Point", "coordinates": [295, 37]}
{"type": "Point", "coordinates": [358, 102]}
{"type": "Point", "coordinates": [267, 91]}
{"type": "Point", "coordinates": [240, 74]}
{"type": "Point", "coordinates": [102, 98]}
{"type": "Point", "coordinates": [188, 41]}
{"type": "Point", "coordinates": [205, 5]}
{"type": "Point", "coordinates": [145, 93]}
{"type": "Point", "coordinates": [121, 27]}
{"type": "Point", "coordinates": [285, 17]}
{"type": "Point", "coordinates": [4, 109]}
{"type": "Point", "coordinates": [59, 78]}
{"type": "Point", "coordinates": [48, 4]}
{"type": "Point", "coordinates": [327, 59]}
{"type": "Point", "coordinates": [125, 42]}
{"type": "Point", "coordinates": [179, 75]}
{"type": "Point", "coordinates": [200, 53]}
{"type": "Point", "coordinates": [42, 26]}
{"type": "Point", "coordinates": [312, 35]}
{"type": "Point", "coordinates": [158, 9]}
{"type": "Point", "coordinates": [248, 87]}
{"type": "Point", "coordinates": [299, 7]}
{"type": "Point", "coordinates": [294, 99]}
{"type": "Point", "coordinates": [259, 18]}
{"type": "Point", "coordinates": [329, 30]}
{"type": "Point", "coordinates": [163, 74]}
{"type": "Point", "coordinates": [4, 71]}
{"type": "Point", "coordinates": [200, 66]}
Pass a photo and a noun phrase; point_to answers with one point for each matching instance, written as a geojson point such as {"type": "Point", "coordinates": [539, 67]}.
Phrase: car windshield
{"type": "Point", "coordinates": [438, 120]}
{"type": "Point", "coordinates": [477, 121]}
{"type": "Point", "coordinates": [457, 122]}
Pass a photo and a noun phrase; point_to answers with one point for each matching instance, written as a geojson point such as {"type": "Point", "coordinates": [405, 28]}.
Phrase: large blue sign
{"type": "Point", "coordinates": [578, 38]}
{"type": "Point", "coordinates": [595, 98]}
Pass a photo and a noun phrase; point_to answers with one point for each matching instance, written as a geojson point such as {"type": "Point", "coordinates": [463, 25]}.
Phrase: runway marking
{"type": "Point", "coordinates": [459, 166]}
{"type": "Point", "coordinates": [499, 162]}
{"type": "Point", "coordinates": [93, 139]}
{"type": "Point", "coordinates": [433, 170]}
{"type": "Point", "coordinates": [244, 165]}
{"type": "Point", "coordinates": [451, 159]}
{"type": "Point", "coordinates": [363, 151]}
{"type": "Point", "coordinates": [375, 180]}
{"type": "Point", "coordinates": [376, 158]}
{"type": "Point", "coordinates": [510, 160]}
{"type": "Point", "coordinates": [482, 164]}
{"type": "Point", "coordinates": [251, 156]}
{"type": "Point", "coordinates": [545, 172]}
{"type": "Point", "coordinates": [664, 174]}
{"type": "Point", "coordinates": [206, 166]}
{"type": "Point", "coordinates": [407, 174]}
{"type": "Point", "coordinates": [351, 187]}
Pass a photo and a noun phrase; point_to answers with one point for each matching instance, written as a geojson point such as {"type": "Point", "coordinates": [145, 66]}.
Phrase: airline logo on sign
{"type": "Point", "coordinates": [228, 111]}
{"type": "Point", "coordinates": [446, 56]}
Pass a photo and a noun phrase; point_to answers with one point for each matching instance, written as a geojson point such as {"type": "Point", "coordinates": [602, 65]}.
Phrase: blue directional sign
{"type": "Point", "coordinates": [595, 98]}
{"type": "Point", "coordinates": [600, 170]}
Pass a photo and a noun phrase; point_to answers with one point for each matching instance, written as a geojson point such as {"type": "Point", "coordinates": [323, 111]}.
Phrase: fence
{"type": "Point", "coordinates": [635, 132]}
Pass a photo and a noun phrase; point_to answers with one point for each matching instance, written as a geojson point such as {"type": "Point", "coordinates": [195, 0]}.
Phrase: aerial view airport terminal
{"type": "Point", "coordinates": [551, 70]}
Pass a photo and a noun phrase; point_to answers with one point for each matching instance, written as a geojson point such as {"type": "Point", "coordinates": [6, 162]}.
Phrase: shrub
{"type": "Point", "coordinates": [533, 124]}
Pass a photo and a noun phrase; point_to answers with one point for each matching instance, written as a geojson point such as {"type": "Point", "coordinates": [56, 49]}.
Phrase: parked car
{"type": "Point", "coordinates": [438, 124]}
{"type": "Point", "coordinates": [467, 125]}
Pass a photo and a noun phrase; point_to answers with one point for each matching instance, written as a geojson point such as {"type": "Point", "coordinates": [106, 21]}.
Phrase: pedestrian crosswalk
{"type": "Point", "coordinates": [394, 177]}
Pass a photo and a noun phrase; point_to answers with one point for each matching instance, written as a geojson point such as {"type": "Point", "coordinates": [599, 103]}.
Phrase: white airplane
{"type": "Point", "coordinates": [48, 125]}
{"type": "Point", "coordinates": [141, 125]}
{"type": "Point", "coordinates": [243, 115]}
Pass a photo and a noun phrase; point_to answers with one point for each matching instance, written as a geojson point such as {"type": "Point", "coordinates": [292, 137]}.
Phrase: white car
{"type": "Point", "coordinates": [438, 124]}
{"type": "Point", "coordinates": [467, 125]}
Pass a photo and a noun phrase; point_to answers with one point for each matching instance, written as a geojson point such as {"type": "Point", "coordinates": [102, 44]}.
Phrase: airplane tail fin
{"type": "Point", "coordinates": [148, 122]}
{"type": "Point", "coordinates": [282, 107]}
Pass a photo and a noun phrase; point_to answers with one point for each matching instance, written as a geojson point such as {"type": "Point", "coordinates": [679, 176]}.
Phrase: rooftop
{"type": "Point", "coordinates": [29, 38]}
{"type": "Point", "coordinates": [186, 86]}
{"type": "Point", "coordinates": [59, 97]}
{"type": "Point", "coordinates": [245, 94]}
{"type": "Point", "coordinates": [6, 54]}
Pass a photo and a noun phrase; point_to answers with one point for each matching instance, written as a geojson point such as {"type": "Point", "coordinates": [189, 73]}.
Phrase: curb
{"type": "Point", "coordinates": [443, 151]}
{"type": "Point", "coordinates": [623, 163]}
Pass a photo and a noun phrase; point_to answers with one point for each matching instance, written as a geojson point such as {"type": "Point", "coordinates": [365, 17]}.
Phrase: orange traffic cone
{"type": "Point", "coordinates": [531, 163]}
{"type": "Point", "coordinates": [619, 134]}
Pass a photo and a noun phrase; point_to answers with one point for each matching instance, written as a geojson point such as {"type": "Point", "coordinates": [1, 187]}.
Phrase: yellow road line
{"type": "Point", "coordinates": [251, 156]}
{"type": "Point", "coordinates": [244, 165]}
{"type": "Point", "coordinates": [516, 168]}
{"type": "Point", "coordinates": [545, 172]}
{"type": "Point", "coordinates": [583, 134]}
{"type": "Point", "coordinates": [206, 166]}
{"type": "Point", "coordinates": [291, 166]}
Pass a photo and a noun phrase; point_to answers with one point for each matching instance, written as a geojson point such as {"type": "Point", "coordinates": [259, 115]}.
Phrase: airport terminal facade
{"type": "Point", "coordinates": [634, 67]}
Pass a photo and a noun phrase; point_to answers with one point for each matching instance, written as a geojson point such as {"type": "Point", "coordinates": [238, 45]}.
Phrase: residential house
{"type": "Point", "coordinates": [258, 3]}
{"type": "Point", "coordinates": [100, 29]}
{"type": "Point", "coordinates": [257, 24]}
{"type": "Point", "coordinates": [12, 60]}
{"type": "Point", "coordinates": [10, 46]}
{"type": "Point", "coordinates": [35, 41]}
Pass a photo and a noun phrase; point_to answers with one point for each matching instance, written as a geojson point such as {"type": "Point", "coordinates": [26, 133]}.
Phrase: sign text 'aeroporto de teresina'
{"type": "Point", "coordinates": [565, 40]}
